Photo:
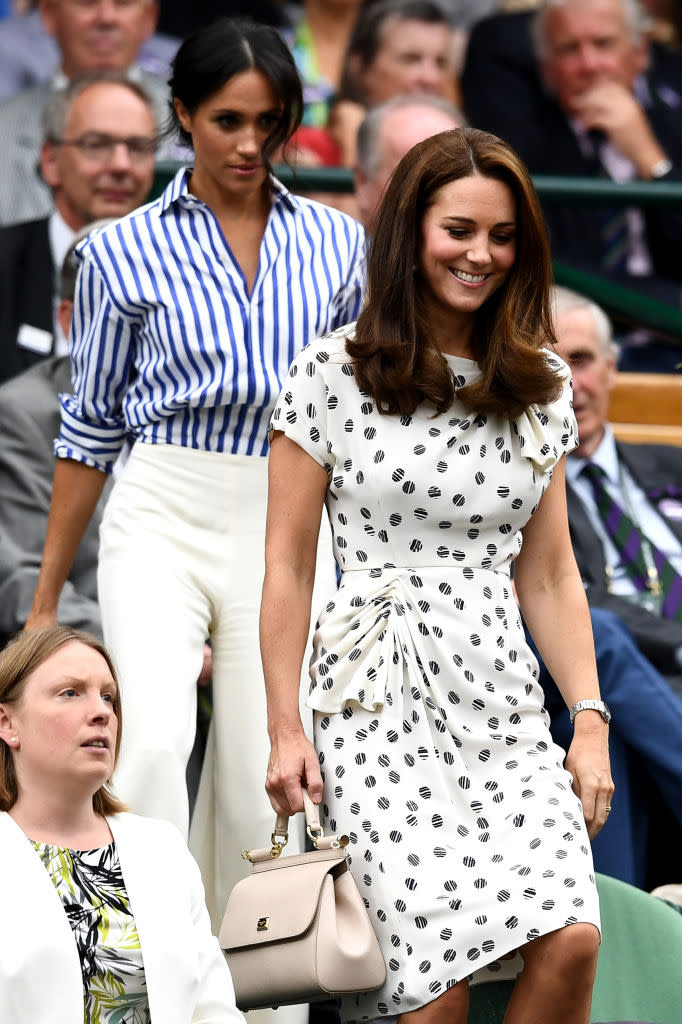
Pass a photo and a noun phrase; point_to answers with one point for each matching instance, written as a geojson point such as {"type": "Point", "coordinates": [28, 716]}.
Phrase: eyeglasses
{"type": "Point", "coordinates": [101, 148]}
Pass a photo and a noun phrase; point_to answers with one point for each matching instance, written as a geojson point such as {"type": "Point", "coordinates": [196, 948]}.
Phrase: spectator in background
{"type": "Point", "coordinates": [30, 55]}
{"type": "Point", "coordinates": [643, 480]}
{"type": "Point", "coordinates": [29, 422]}
{"type": "Point", "coordinates": [98, 159]}
{"type": "Point", "coordinates": [384, 137]}
{"type": "Point", "coordinates": [397, 46]}
{"type": "Point", "coordinates": [99, 36]}
{"type": "Point", "coordinates": [642, 841]}
{"type": "Point", "coordinates": [318, 42]}
{"type": "Point", "coordinates": [595, 105]}
{"type": "Point", "coordinates": [103, 911]}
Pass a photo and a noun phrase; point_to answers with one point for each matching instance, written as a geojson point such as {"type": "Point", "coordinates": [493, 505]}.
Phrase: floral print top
{"type": "Point", "coordinates": [91, 887]}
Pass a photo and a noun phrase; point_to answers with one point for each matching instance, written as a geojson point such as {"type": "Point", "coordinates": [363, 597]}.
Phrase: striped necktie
{"type": "Point", "coordinates": [629, 541]}
{"type": "Point", "coordinates": [614, 227]}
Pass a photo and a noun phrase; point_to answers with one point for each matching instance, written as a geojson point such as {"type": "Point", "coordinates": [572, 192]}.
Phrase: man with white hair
{"type": "Point", "coordinates": [600, 102]}
{"type": "Point", "coordinates": [624, 500]}
{"type": "Point", "coordinates": [386, 134]}
{"type": "Point", "coordinates": [638, 645]}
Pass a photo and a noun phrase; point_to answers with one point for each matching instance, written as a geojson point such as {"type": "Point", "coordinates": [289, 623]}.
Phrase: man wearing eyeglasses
{"type": "Point", "coordinates": [98, 160]}
{"type": "Point", "coordinates": [93, 36]}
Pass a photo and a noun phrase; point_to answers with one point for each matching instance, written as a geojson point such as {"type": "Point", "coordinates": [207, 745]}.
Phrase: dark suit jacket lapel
{"type": "Point", "coordinates": [655, 467]}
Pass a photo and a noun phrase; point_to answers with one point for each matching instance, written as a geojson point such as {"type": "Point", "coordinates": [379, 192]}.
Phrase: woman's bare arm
{"type": "Point", "coordinates": [76, 489]}
{"type": "Point", "coordinates": [296, 490]}
{"type": "Point", "coordinates": [552, 598]}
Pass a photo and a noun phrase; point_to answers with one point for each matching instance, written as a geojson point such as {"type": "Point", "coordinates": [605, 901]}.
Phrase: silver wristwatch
{"type": "Point", "coordinates": [593, 705]}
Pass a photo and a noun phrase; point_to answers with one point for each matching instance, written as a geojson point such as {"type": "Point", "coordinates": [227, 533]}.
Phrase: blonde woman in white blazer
{"type": "Point", "coordinates": [101, 910]}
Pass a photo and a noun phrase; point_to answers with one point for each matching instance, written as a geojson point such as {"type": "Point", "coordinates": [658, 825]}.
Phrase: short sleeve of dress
{"type": "Point", "coordinates": [546, 432]}
{"type": "Point", "coordinates": [301, 409]}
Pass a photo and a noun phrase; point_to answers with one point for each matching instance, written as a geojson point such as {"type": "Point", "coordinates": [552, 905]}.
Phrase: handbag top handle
{"type": "Point", "coordinates": [280, 836]}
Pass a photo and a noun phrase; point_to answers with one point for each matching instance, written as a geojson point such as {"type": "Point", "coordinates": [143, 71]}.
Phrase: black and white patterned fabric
{"type": "Point", "coordinates": [466, 837]}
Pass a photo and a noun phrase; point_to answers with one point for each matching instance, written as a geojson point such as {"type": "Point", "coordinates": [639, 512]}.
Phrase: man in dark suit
{"type": "Point", "coordinates": [645, 479]}
{"type": "Point", "coordinates": [29, 421]}
{"type": "Point", "coordinates": [98, 158]}
{"type": "Point", "coordinates": [599, 102]}
{"type": "Point", "coordinates": [639, 646]}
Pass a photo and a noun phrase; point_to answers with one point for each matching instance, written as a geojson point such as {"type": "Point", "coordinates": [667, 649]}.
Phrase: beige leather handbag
{"type": "Point", "coordinates": [297, 930]}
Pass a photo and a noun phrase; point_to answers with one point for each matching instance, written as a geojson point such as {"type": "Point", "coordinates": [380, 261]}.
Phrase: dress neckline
{"type": "Point", "coordinates": [69, 849]}
{"type": "Point", "coordinates": [460, 361]}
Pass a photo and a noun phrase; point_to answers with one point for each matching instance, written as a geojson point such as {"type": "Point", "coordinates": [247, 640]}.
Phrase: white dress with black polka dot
{"type": "Point", "coordinates": [466, 837]}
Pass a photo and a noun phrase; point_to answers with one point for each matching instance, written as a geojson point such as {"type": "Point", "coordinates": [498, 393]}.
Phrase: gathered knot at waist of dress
{"type": "Point", "coordinates": [388, 569]}
{"type": "Point", "coordinates": [384, 619]}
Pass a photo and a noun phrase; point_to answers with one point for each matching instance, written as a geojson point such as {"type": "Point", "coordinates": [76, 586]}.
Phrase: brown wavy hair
{"type": "Point", "coordinates": [395, 360]}
{"type": "Point", "coordinates": [21, 657]}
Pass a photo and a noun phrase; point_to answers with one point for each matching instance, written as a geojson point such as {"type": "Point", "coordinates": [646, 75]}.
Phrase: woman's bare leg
{"type": "Point", "coordinates": [452, 1007]}
{"type": "Point", "coordinates": [556, 982]}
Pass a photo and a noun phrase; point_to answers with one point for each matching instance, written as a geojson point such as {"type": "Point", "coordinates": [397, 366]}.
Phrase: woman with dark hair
{"type": "Point", "coordinates": [434, 431]}
{"type": "Point", "coordinates": [103, 915]}
{"type": "Point", "coordinates": [187, 316]}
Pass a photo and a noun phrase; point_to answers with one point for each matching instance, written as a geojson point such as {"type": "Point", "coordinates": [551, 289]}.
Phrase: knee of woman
{"type": "Point", "coordinates": [569, 952]}
{"type": "Point", "coordinates": [576, 948]}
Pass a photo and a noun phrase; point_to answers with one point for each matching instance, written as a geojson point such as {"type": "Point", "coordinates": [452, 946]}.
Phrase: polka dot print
{"type": "Point", "coordinates": [467, 840]}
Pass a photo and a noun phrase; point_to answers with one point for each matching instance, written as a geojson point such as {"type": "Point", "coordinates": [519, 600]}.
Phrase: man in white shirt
{"type": "Point", "coordinates": [93, 36]}
{"type": "Point", "coordinates": [638, 646]}
{"type": "Point", "coordinates": [98, 159]}
{"type": "Point", "coordinates": [644, 480]}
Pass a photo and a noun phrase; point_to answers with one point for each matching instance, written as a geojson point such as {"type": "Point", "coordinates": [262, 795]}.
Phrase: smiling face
{"type": "Point", "coordinates": [228, 133]}
{"type": "Point", "coordinates": [468, 246]}
{"type": "Point", "coordinates": [588, 42]}
{"type": "Point", "coordinates": [62, 729]}
{"type": "Point", "coordinates": [413, 56]}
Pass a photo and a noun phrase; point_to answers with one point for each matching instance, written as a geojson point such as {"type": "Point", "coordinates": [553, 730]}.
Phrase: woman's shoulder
{"type": "Point", "coordinates": [114, 241]}
{"type": "Point", "coordinates": [328, 217]}
{"type": "Point", "coordinates": [128, 826]}
{"type": "Point", "coordinates": [560, 367]}
{"type": "Point", "coordinates": [328, 351]}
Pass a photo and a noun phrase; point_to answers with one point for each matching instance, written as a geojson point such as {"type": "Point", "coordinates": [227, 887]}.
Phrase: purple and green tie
{"type": "Point", "coordinates": [627, 538]}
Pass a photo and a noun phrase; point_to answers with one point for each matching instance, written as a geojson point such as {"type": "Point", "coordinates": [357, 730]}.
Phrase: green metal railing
{"type": "Point", "coordinates": [619, 301]}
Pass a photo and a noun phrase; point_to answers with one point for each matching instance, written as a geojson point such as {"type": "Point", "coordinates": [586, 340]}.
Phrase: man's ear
{"type": "Point", "coordinates": [613, 373]}
{"type": "Point", "coordinates": [49, 166]}
{"type": "Point", "coordinates": [64, 315]}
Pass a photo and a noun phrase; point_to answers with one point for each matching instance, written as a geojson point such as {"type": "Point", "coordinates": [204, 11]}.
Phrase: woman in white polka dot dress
{"type": "Point", "coordinates": [434, 432]}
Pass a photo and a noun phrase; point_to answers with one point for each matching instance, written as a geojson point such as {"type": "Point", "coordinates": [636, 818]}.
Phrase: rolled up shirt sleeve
{"type": "Point", "coordinates": [93, 427]}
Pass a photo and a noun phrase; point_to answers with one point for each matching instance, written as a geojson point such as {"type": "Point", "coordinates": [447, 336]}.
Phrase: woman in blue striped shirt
{"type": "Point", "coordinates": [187, 316]}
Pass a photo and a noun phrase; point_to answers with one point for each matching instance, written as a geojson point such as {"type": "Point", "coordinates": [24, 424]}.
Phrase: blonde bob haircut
{"type": "Point", "coordinates": [18, 661]}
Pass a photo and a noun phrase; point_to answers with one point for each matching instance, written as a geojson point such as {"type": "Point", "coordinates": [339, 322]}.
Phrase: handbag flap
{"type": "Point", "coordinates": [276, 904]}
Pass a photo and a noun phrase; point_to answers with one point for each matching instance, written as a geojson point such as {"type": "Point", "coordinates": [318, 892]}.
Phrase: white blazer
{"type": "Point", "coordinates": [188, 981]}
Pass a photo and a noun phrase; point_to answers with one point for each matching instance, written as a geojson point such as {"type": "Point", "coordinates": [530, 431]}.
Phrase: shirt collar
{"type": "Point", "coordinates": [61, 236]}
{"type": "Point", "coordinates": [60, 81]}
{"type": "Point", "coordinates": [177, 192]}
{"type": "Point", "coordinates": [606, 457]}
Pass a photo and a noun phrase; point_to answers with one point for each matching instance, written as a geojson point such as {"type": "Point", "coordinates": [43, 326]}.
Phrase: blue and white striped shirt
{"type": "Point", "coordinates": [166, 342]}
